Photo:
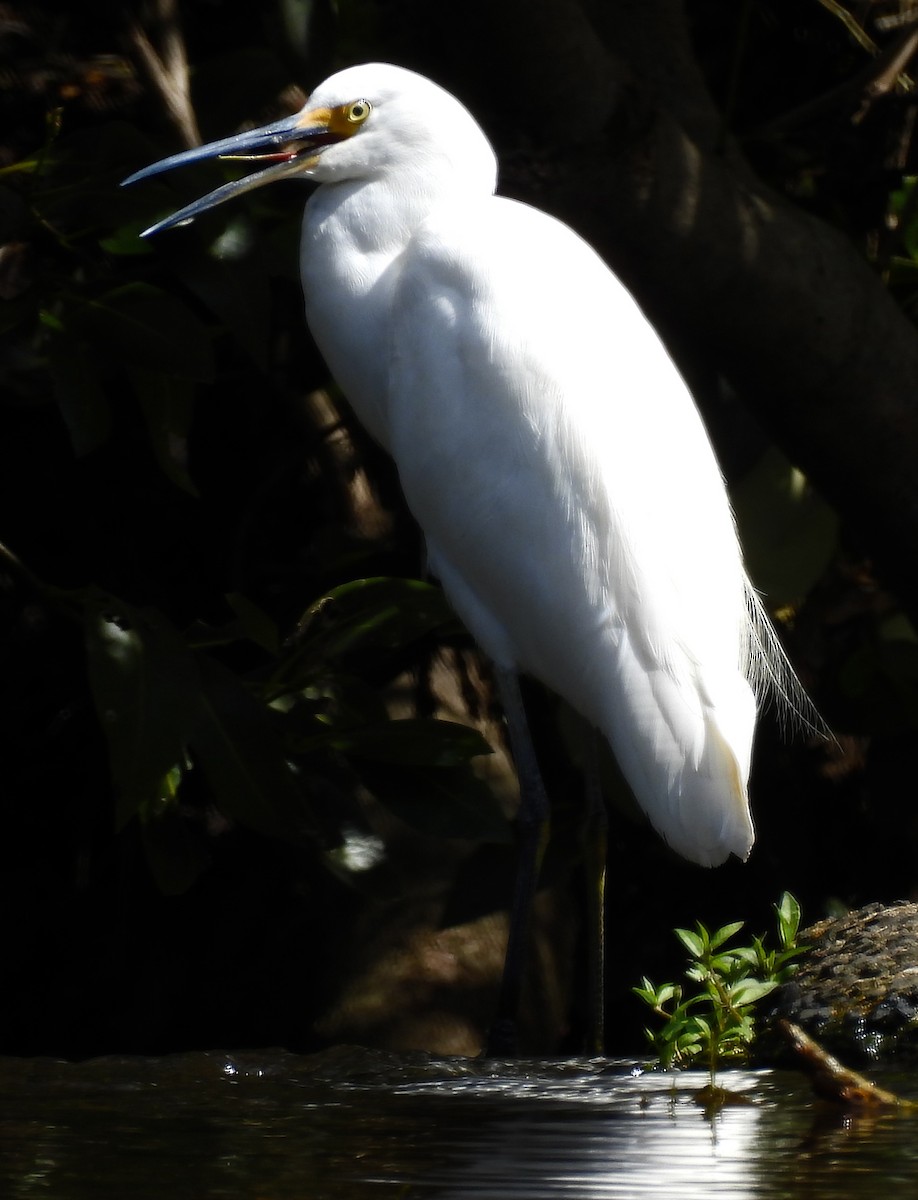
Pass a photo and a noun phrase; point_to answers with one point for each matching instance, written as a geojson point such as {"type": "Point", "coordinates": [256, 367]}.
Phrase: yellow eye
{"type": "Point", "coordinates": [358, 112]}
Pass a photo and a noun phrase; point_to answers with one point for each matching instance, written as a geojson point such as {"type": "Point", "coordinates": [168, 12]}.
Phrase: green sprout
{"type": "Point", "coordinates": [714, 1022]}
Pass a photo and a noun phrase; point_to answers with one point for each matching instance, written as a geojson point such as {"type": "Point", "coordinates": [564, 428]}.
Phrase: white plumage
{"type": "Point", "coordinates": [584, 535]}
{"type": "Point", "coordinates": [546, 444]}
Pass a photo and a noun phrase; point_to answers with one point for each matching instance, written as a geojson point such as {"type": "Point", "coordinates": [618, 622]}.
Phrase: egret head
{"type": "Point", "coordinates": [362, 123]}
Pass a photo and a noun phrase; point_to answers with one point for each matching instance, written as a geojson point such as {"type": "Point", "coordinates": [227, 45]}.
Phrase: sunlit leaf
{"type": "Point", "coordinates": [788, 913]}
{"type": "Point", "coordinates": [693, 942]}
{"type": "Point", "coordinates": [725, 933]}
{"type": "Point", "coordinates": [751, 990]}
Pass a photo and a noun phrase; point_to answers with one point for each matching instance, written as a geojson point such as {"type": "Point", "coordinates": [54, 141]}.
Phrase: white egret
{"type": "Point", "coordinates": [571, 502]}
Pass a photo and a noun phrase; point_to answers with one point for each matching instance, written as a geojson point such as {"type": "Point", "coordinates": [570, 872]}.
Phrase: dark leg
{"type": "Point", "coordinates": [533, 824]}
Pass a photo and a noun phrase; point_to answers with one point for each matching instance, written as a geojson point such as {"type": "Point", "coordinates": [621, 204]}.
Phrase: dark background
{"type": "Point", "coordinates": [181, 487]}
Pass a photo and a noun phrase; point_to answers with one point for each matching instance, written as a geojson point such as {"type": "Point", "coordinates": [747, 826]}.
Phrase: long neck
{"type": "Point", "coordinates": [353, 236]}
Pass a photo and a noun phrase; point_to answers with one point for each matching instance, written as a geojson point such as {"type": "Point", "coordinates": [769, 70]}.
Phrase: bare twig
{"type": "Point", "coordinates": [832, 1081]}
{"type": "Point", "coordinates": [167, 67]}
{"type": "Point", "coordinates": [893, 62]}
{"type": "Point", "coordinates": [859, 34]}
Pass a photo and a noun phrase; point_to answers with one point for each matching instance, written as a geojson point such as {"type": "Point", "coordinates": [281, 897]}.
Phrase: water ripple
{"type": "Point", "coordinates": [354, 1125]}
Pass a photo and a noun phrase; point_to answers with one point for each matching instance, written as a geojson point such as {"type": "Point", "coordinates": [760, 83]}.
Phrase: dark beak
{"type": "Point", "coordinates": [291, 146]}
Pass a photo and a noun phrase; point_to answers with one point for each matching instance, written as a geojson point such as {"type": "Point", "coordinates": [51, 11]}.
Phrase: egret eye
{"type": "Point", "coordinates": [358, 112]}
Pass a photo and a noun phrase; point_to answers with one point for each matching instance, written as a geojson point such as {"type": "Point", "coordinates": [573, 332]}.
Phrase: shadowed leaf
{"type": "Point", "coordinates": [79, 394]}
{"type": "Point", "coordinates": [237, 294]}
{"type": "Point", "coordinates": [235, 745]}
{"type": "Point", "coordinates": [254, 623]}
{"type": "Point", "coordinates": [168, 407]}
{"type": "Point", "coordinates": [384, 612]}
{"type": "Point", "coordinates": [144, 327]}
{"type": "Point", "coordinates": [788, 531]}
{"type": "Point", "coordinates": [450, 802]}
{"type": "Point", "coordinates": [412, 742]}
{"type": "Point", "coordinates": [145, 685]}
{"type": "Point", "coordinates": [175, 850]}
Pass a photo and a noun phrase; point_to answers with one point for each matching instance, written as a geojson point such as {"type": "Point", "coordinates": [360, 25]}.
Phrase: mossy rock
{"type": "Point", "coordinates": [856, 990]}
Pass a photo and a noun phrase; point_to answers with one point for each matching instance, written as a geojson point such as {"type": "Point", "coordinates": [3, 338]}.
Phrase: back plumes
{"type": "Point", "coordinates": [771, 675]}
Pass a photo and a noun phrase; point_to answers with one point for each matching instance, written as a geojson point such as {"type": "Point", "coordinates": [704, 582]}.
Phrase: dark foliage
{"type": "Point", "coordinates": [208, 586]}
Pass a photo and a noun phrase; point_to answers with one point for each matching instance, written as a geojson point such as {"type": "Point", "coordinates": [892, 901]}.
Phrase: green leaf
{"type": "Point", "coordinates": [444, 802]}
{"type": "Point", "coordinates": [168, 407]}
{"type": "Point", "coordinates": [383, 613]}
{"type": "Point", "coordinates": [748, 957]}
{"type": "Point", "coordinates": [79, 394]}
{"type": "Point", "coordinates": [175, 851]}
{"type": "Point", "coordinates": [144, 327]}
{"type": "Point", "coordinates": [789, 533]}
{"type": "Point", "coordinates": [417, 742]}
{"type": "Point", "coordinates": [666, 993]}
{"type": "Point", "coordinates": [237, 294]}
{"type": "Point", "coordinates": [254, 622]}
{"type": "Point", "coordinates": [725, 933]}
{"type": "Point", "coordinates": [788, 913]}
{"type": "Point", "coordinates": [145, 686]}
{"type": "Point", "coordinates": [77, 190]}
{"type": "Point", "coordinates": [880, 681]}
{"type": "Point", "coordinates": [748, 991]}
{"type": "Point", "coordinates": [235, 745]}
{"type": "Point", "coordinates": [702, 1028]}
{"type": "Point", "coordinates": [646, 992]}
{"type": "Point", "coordinates": [728, 986]}
{"type": "Point", "coordinates": [726, 964]}
{"type": "Point", "coordinates": [693, 942]}
{"type": "Point", "coordinates": [332, 700]}
{"type": "Point", "coordinates": [126, 242]}
{"type": "Point", "coordinates": [902, 206]}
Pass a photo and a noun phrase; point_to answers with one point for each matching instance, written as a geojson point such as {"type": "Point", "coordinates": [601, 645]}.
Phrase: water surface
{"type": "Point", "coordinates": [353, 1124]}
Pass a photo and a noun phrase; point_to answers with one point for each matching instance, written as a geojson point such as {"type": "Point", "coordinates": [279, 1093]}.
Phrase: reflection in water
{"type": "Point", "coordinates": [597, 1157]}
{"type": "Point", "coordinates": [352, 1125]}
{"type": "Point", "coordinates": [609, 1137]}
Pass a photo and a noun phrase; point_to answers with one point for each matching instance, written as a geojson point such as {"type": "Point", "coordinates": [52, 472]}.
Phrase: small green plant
{"type": "Point", "coordinates": [716, 1022]}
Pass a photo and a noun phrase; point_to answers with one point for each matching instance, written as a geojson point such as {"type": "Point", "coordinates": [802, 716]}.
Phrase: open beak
{"type": "Point", "coordinates": [290, 145]}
